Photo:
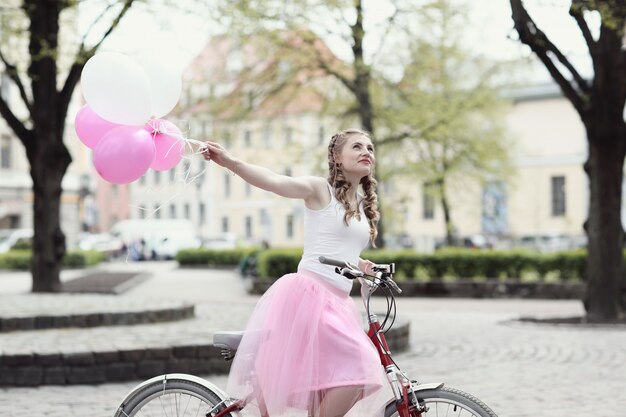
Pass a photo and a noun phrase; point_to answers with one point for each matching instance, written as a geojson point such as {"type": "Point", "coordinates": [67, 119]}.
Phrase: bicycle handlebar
{"type": "Point", "coordinates": [333, 262]}
{"type": "Point", "coordinates": [353, 272]}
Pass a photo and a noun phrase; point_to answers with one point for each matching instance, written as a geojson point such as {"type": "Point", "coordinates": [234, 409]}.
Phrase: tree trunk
{"type": "Point", "coordinates": [605, 261]}
{"type": "Point", "coordinates": [47, 154]}
{"type": "Point", "coordinates": [445, 205]}
{"type": "Point", "coordinates": [47, 170]}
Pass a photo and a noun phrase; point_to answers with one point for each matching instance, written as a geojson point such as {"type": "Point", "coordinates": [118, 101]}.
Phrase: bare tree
{"type": "Point", "coordinates": [42, 131]}
{"type": "Point", "coordinates": [599, 102]}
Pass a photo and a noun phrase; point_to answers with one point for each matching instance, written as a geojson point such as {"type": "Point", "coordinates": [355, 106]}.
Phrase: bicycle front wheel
{"type": "Point", "coordinates": [176, 397]}
{"type": "Point", "coordinates": [446, 401]}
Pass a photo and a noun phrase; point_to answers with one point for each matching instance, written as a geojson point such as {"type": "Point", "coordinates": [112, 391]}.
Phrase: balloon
{"type": "Point", "coordinates": [168, 143]}
{"type": "Point", "coordinates": [90, 127]}
{"type": "Point", "coordinates": [124, 154]}
{"type": "Point", "coordinates": [165, 83]}
{"type": "Point", "coordinates": [117, 89]}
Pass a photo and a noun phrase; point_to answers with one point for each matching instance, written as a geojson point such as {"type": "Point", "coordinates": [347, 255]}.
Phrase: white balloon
{"type": "Point", "coordinates": [117, 88]}
{"type": "Point", "coordinates": [165, 82]}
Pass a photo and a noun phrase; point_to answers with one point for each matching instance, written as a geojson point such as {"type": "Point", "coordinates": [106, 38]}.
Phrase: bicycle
{"type": "Point", "coordinates": [175, 394]}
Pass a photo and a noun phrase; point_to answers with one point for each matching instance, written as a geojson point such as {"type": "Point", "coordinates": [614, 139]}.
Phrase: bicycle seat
{"type": "Point", "coordinates": [227, 339]}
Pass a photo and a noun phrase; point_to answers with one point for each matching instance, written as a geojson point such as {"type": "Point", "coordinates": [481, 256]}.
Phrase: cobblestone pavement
{"type": "Point", "coordinates": [518, 369]}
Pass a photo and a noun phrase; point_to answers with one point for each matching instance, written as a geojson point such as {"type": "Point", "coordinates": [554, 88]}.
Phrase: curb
{"type": "Point", "coordinates": [33, 369]}
{"type": "Point", "coordinates": [9, 324]}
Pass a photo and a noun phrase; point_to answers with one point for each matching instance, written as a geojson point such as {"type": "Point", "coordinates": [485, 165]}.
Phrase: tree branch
{"type": "Point", "coordinates": [539, 43]}
{"type": "Point", "coordinates": [576, 11]}
{"type": "Point", "coordinates": [310, 40]}
{"type": "Point", "coordinates": [83, 54]}
{"type": "Point", "coordinates": [13, 73]}
{"type": "Point", "coordinates": [23, 134]}
{"type": "Point", "coordinates": [116, 21]}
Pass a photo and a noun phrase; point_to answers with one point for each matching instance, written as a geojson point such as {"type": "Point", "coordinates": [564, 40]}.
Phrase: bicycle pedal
{"type": "Point", "coordinates": [227, 354]}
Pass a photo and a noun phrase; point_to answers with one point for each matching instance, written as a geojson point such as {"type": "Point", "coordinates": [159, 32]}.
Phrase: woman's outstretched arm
{"type": "Point", "coordinates": [305, 188]}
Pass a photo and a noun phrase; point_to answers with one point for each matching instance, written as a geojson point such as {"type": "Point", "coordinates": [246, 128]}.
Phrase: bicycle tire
{"type": "Point", "coordinates": [173, 398]}
{"type": "Point", "coordinates": [445, 400]}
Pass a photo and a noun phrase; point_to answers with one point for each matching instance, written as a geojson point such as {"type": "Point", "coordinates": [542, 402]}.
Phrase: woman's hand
{"type": "Point", "coordinates": [213, 151]}
{"type": "Point", "coordinates": [366, 265]}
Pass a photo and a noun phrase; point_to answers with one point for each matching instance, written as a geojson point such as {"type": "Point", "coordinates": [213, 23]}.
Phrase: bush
{"type": "Point", "coordinates": [21, 259]}
{"type": "Point", "coordinates": [455, 263]}
{"type": "Point", "coordinates": [274, 263]}
{"type": "Point", "coordinates": [213, 257]}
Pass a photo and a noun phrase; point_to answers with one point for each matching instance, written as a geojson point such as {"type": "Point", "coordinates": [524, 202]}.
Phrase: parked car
{"type": "Point", "coordinates": [105, 243]}
{"type": "Point", "coordinates": [225, 241]}
{"type": "Point", "coordinates": [168, 247]}
{"type": "Point", "coordinates": [10, 238]}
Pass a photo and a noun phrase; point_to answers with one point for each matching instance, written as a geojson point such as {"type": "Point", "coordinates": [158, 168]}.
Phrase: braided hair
{"type": "Point", "coordinates": [338, 181]}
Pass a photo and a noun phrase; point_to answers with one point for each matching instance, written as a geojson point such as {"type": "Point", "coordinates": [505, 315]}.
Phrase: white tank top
{"type": "Point", "coordinates": [325, 234]}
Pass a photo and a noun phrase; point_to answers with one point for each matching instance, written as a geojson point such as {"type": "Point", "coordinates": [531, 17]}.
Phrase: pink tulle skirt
{"type": "Point", "coordinates": [304, 338]}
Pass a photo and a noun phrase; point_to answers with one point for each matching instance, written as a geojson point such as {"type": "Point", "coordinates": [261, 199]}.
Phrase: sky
{"type": "Point", "coordinates": [178, 36]}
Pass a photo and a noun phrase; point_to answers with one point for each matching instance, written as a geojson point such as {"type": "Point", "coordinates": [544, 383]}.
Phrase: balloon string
{"type": "Point", "coordinates": [186, 178]}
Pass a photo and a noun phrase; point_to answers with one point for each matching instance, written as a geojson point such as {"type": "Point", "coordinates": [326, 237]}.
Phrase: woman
{"type": "Point", "coordinates": [304, 345]}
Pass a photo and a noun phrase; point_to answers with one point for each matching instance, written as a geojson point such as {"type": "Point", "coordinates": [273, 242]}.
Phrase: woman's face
{"type": "Point", "coordinates": [357, 155]}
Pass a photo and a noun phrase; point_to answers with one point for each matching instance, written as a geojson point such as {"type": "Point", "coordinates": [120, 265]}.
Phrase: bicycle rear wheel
{"type": "Point", "coordinates": [446, 401]}
{"type": "Point", "coordinates": [176, 397]}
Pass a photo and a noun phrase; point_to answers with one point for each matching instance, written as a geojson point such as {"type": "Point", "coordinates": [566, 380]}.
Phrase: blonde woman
{"type": "Point", "coordinates": [304, 342]}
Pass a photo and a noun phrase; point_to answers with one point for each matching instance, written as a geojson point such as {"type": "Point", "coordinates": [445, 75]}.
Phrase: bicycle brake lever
{"type": "Point", "coordinates": [394, 286]}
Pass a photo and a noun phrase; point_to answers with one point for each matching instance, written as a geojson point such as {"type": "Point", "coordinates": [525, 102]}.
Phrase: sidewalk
{"type": "Point", "coordinates": [518, 369]}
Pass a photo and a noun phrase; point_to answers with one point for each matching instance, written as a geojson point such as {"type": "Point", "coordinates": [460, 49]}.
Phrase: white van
{"type": "Point", "coordinates": [12, 237]}
{"type": "Point", "coordinates": [161, 238]}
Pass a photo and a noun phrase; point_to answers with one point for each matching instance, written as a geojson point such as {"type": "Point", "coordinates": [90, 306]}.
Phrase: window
{"type": "Point", "coordinates": [157, 211]}
{"type": "Point", "coordinates": [172, 211]}
{"type": "Point", "coordinates": [247, 138]}
{"type": "Point", "coordinates": [187, 210]}
{"type": "Point", "coordinates": [558, 196]}
{"type": "Point", "coordinates": [142, 213]}
{"type": "Point", "coordinates": [290, 226]}
{"type": "Point", "coordinates": [248, 190]}
{"type": "Point", "coordinates": [428, 201]}
{"type": "Point", "coordinates": [224, 224]}
{"type": "Point", "coordinates": [288, 135]}
{"type": "Point", "coordinates": [267, 136]}
{"type": "Point", "coordinates": [201, 212]}
{"type": "Point", "coordinates": [227, 138]}
{"type": "Point", "coordinates": [115, 191]}
{"type": "Point", "coordinates": [142, 180]}
{"type": "Point", "coordinates": [248, 227]}
{"type": "Point", "coordinates": [321, 135]}
{"type": "Point", "coordinates": [5, 151]}
{"type": "Point", "coordinates": [172, 175]}
{"type": "Point", "coordinates": [157, 177]}
{"type": "Point", "coordinates": [226, 184]}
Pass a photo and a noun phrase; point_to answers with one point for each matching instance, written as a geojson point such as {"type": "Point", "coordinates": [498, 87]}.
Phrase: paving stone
{"type": "Point", "coordinates": [83, 358]}
{"type": "Point", "coordinates": [28, 376]}
{"type": "Point", "coordinates": [50, 359]}
{"type": "Point", "coordinates": [121, 371]}
{"type": "Point", "coordinates": [151, 367]}
{"type": "Point", "coordinates": [106, 357]}
{"type": "Point", "coordinates": [86, 375]}
{"type": "Point", "coordinates": [55, 375]}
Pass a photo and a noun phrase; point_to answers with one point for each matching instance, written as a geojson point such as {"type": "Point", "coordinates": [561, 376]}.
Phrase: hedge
{"type": "Point", "coordinates": [21, 259]}
{"type": "Point", "coordinates": [213, 257]}
{"type": "Point", "coordinates": [451, 264]}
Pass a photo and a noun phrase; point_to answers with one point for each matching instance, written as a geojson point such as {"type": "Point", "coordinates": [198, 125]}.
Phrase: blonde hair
{"type": "Point", "coordinates": [338, 181]}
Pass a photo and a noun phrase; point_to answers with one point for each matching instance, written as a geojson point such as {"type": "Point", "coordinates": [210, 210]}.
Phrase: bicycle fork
{"type": "Point", "coordinates": [406, 401]}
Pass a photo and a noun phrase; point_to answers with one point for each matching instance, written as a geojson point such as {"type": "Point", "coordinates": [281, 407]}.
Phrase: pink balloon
{"type": "Point", "coordinates": [90, 127]}
{"type": "Point", "coordinates": [124, 154]}
{"type": "Point", "coordinates": [168, 142]}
